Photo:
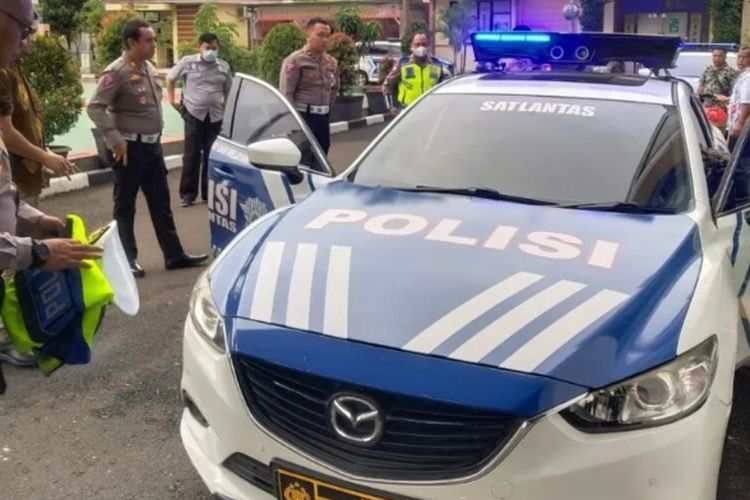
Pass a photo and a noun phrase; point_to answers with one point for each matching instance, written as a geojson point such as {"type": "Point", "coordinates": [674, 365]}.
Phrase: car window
{"type": "Point", "coordinates": [226, 126]}
{"type": "Point", "coordinates": [557, 149]}
{"type": "Point", "coordinates": [260, 114]}
{"type": "Point", "coordinates": [738, 196]}
{"type": "Point", "coordinates": [693, 65]}
{"type": "Point", "coordinates": [699, 122]}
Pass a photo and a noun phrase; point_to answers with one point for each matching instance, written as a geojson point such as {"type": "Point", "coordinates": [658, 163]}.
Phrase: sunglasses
{"type": "Point", "coordinates": [26, 30]}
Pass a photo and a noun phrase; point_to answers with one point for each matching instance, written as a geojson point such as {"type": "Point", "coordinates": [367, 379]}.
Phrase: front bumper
{"type": "Point", "coordinates": [553, 460]}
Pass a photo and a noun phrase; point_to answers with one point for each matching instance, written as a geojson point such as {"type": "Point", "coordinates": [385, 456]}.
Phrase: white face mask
{"type": "Point", "coordinates": [419, 51]}
{"type": "Point", "coordinates": [210, 55]}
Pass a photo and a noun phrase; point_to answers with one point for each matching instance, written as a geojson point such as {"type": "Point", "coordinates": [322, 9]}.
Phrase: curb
{"type": "Point", "coordinates": [99, 177]}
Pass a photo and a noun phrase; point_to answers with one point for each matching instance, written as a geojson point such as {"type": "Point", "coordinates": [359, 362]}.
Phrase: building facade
{"type": "Point", "coordinates": [686, 18]}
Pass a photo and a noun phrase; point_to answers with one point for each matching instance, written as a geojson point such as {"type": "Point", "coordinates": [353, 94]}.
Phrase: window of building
{"type": "Point", "coordinates": [494, 15]}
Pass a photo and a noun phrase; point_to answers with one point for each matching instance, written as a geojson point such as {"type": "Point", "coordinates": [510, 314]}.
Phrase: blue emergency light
{"type": "Point", "coordinates": [590, 49]}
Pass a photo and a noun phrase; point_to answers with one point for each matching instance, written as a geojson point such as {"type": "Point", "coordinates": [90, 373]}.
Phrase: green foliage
{"type": "Point", "coordinates": [108, 42]}
{"type": "Point", "coordinates": [456, 23]}
{"type": "Point", "coordinates": [341, 46]}
{"type": "Point", "coordinates": [592, 15]}
{"type": "Point", "coordinates": [282, 40]}
{"type": "Point", "coordinates": [349, 22]}
{"type": "Point", "coordinates": [726, 16]}
{"type": "Point", "coordinates": [56, 79]}
{"type": "Point", "coordinates": [239, 58]}
{"type": "Point", "coordinates": [406, 39]}
{"type": "Point", "coordinates": [63, 16]}
{"type": "Point", "coordinates": [91, 16]}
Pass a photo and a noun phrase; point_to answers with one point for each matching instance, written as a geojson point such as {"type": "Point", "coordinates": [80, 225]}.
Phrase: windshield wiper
{"type": "Point", "coordinates": [478, 192]}
{"type": "Point", "coordinates": [620, 206]}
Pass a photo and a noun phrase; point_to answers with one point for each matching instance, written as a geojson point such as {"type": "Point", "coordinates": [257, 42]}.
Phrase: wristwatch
{"type": "Point", "coordinates": [39, 254]}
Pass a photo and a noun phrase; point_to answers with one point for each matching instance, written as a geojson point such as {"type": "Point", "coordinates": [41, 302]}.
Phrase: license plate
{"type": "Point", "coordinates": [292, 485]}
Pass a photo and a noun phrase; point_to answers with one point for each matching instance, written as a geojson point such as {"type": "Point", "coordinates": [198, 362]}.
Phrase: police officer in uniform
{"type": "Point", "coordinates": [26, 234]}
{"type": "Point", "coordinates": [309, 80]}
{"type": "Point", "coordinates": [126, 108]}
{"type": "Point", "coordinates": [413, 75]}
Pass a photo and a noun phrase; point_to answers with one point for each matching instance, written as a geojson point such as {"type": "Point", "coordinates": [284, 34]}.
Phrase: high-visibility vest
{"type": "Point", "coordinates": [416, 80]}
{"type": "Point", "coordinates": [56, 315]}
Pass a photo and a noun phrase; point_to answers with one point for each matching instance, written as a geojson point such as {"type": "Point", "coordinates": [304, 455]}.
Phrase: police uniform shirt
{"type": "Point", "coordinates": [205, 85]}
{"type": "Point", "coordinates": [307, 78]}
{"type": "Point", "coordinates": [127, 99]}
{"type": "Point", "coordinates": [15, 218]}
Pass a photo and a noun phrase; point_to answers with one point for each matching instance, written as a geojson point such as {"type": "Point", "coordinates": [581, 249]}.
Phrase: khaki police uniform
{"type": "Point", "coordinates": [204, 91]}
{"type": "Point", "coordinates": [18, 220]}
{"type": "Point", "coordinates": [127, 105]}
{"type": "Point", "coordinates": [310, 83]}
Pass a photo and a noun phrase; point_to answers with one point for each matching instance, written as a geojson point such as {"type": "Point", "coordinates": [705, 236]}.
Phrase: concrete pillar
{"type": "Point", "coordinates": [609, 17]}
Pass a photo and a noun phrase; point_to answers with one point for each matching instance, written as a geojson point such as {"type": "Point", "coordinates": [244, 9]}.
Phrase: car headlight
{"type": "Point", "coordinates": [668, 393]}
{"type": "Point", "coordinates": [205, 315]}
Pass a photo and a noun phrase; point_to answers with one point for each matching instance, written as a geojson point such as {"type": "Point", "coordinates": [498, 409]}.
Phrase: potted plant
{"type": "Point", "coordinates": [56, 79]}
{"type": "Point", "coordinates": [282, 40]}
{"type": "Point", "coordinates": [349, 102]}
{"type": "Point", "coordinates": [376, 104]}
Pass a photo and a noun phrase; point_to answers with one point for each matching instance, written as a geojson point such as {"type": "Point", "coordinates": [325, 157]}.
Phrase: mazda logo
{"type": "Point", "coordinates": [355, 419]}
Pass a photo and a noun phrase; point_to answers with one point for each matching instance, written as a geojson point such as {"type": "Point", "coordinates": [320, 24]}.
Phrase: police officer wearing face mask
{"type": "Point", "coordinates": [207, 81]}
{"type": "Point", "coordinates": [413, 75]}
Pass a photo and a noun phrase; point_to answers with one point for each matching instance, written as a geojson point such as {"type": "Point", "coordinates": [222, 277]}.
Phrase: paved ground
{"type": "Point", "coordinates": [110, 429]}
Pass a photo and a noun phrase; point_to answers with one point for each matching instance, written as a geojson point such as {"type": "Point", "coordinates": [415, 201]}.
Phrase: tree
{"type": "Point", "coordinates": [282, 40]}
{"type": "Point", "coordinates": [56, 79]}
{"type": "Point", "coordinates": [207, 21]}
{"type": "Point", "coordinates": [364, 33]}
{"type": "Point", "coordinates": [726, 16]}
{"type": "Point", "coordinates": [108, 42]}
{"type": "Point", "coordinates": [341, 46]}
{"type": "Point", "coordinates": [456, 23]}
{"type": "Point", "coordinates": [91, 16]}
{"type": "Point", "coordinates": [63, 17]}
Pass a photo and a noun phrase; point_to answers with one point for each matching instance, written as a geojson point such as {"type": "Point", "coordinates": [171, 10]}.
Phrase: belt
{"type": "Point", "coordinates": [144, 138]}
{"type": "Point", "coordinates": [313, 109]}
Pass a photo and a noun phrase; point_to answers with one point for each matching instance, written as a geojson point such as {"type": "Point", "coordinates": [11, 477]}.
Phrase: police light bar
{"type": "Point", "coordinates": [708, 47]}
{"type": "Point", "coordinates": [652, 51]}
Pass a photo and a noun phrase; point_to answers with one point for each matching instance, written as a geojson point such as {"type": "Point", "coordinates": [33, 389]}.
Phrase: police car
{"type": "Point", "coordinates": [529, 286]}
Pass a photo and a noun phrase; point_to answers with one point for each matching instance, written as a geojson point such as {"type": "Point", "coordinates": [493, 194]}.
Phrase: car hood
{"type": "Point", "coordinates": [585, 297]}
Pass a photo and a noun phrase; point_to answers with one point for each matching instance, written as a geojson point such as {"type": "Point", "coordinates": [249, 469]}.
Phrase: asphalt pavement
{"type": "Point", "coordinates": [110, 429]}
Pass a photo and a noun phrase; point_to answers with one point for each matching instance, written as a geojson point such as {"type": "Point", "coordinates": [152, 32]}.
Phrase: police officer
{"type": "Point", "coordinates": [413, 75]}
{"type": "Point", "coordinates": [20, 223]}
{"type": "Point", "coordinates": [207, 82]}
{"type": "Point", "coordinates": [126, 108]}
{"type": "Point", "coordinates": [309, 80]}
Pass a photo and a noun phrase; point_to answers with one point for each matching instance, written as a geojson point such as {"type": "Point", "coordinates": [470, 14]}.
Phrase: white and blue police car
{"type": "Point", "coordinates": [530, 286]}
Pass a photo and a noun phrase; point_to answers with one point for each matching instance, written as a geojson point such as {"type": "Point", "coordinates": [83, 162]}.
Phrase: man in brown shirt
{"type": "Point", "coordinates": [309, 80]}
{"type": "Point", "coordinates": [21, 121]}
{"type": "Point", "coordinates": [127, 109]}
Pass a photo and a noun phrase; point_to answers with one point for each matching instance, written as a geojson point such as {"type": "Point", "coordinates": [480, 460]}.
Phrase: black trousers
{"type": "Point", "coordinates": [199, 138]}
{"type": "Point", "coordinates": [321, 128]}
{"type": "Point", "coordinates": [147, 171]}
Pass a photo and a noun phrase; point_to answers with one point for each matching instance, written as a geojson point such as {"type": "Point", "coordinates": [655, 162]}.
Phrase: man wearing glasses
{"type": "Point", "coordinates": [21, 122]}
{"type": "Point", "coordinates": [19, 220]}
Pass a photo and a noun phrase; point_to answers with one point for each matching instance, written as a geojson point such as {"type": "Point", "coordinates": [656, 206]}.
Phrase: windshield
{"type": "Point", "coordinates": [693, 66]}
{"type": "Point", "coordinates": [562, 150]}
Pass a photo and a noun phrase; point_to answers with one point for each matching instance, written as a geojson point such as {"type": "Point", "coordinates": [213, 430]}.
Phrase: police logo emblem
{"type": "Point", "coordinates": [252, 209]}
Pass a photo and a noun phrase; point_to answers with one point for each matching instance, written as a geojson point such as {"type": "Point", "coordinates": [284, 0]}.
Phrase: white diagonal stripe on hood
{"type": "Point", "coordinates": [336, 314]}
{"type": "Point", "coordinates": [300, 288]}
{"type": "Point", "coordinates": [268, 277]}
{"type": "Point", "coordinates": [551, 339]}
{"type": "Point", "coordinates": [447, 326]}
{"type": "Point", "coordinates": [500, 330]}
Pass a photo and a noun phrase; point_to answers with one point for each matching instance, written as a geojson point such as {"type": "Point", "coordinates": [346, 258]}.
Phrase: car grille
{"type": "Point", "coordinates": [423, 440]}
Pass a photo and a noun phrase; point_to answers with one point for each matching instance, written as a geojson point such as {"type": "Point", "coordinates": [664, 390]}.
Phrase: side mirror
{"type": "Point", "coordinates": [279, 154]}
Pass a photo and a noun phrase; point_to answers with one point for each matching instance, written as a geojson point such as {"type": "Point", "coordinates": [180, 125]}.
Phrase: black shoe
{"type": "Point", "coordinates": [137, 270]}
{"type": "Point", "coordinates": [186, 202]}
{"type": "Point", "coordinates": [186, 261]}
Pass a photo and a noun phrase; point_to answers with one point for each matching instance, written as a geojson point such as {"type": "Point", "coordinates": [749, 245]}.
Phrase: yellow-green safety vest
{"type": "Point", "coordinates": [416, 80]}
{"type": "Point", "coordinates": [55, 315]}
